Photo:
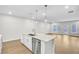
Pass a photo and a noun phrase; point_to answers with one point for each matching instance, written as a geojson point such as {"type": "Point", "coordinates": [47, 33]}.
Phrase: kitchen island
{"type": "Point", "coordinates": [39, 43]}
{"type": "Point", "coordinates": [43, 44]}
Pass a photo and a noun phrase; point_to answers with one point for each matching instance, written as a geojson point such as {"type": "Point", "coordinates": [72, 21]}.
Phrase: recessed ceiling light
{"type": "Point", "coordinates": [10, 12]}
{"type": "Point", "coordinates": [33, 17]}
{"type": "Point", "coordinates": [66, 7]}
{"type": "Point", "coordinates": [43, 14]}
{"type": "Point", "coordinates": [36, 22]}
{"type": "Point", "coordinates": [45, 20]}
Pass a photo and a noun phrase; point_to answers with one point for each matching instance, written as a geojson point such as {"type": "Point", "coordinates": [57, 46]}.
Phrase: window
{"type": "Point", "coordinates": [65, 28]}
{"type": "Point", "coordinates": [74, 28]}
{"type": "Point", "coordinates": [56, 28]}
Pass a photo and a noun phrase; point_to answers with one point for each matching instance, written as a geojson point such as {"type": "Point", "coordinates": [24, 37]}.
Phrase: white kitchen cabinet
{"type": "Point", "coordinates": [27, 41]}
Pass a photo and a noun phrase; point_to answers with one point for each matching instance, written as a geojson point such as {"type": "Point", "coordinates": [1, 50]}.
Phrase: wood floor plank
{"type": "Point", "coordinates": [66, 44]}
{"type": "Point", "coordinates": [14, 47]}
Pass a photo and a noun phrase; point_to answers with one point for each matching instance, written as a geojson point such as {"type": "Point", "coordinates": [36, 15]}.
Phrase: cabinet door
{"type": "Point", "coordinates": [22, 39]}
{"type": "Point", "coordinates": [28, 41]}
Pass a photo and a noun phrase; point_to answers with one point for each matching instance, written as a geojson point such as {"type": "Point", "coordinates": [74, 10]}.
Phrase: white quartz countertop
{"type": "Point", "coordinates": [44, 37]}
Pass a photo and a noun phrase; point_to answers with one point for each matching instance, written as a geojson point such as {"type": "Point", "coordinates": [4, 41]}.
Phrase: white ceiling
{"type": "Point", "coordinates": [55, 13]}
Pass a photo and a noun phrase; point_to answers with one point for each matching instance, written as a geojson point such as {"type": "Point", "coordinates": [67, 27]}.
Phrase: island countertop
{"type": "Point", "coordinates": [42, 36]}
{"type": "Point", "coordinates": [45, 37]}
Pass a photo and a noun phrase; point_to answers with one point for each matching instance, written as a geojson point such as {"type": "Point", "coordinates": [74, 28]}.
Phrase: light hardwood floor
{"type": "Point", "coordinates": [64, 45]}
{"type": "Point", "coordinates": [14, 47]}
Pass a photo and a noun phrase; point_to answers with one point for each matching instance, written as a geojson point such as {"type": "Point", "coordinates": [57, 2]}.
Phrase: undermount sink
{"type": "Point", "coordinates": [31, 34]}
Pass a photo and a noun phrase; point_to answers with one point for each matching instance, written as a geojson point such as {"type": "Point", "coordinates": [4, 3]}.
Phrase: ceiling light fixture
{"type": "Point", "coordinates": [36, 13]}
{"type": "Point", "coordinates": [36, 22]}
{"type": "Point", "coordinates": [66, 7]}
{"type": "Point", "coordinates": [45, 13]}
{"type": "Point", "coordinates": [45, 20]}
{"type": "Point", "coordinates": [10, 12]}
{"type": "Point", "coordinates": [33, 17]}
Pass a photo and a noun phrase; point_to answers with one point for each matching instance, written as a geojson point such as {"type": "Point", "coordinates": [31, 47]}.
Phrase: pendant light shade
{"type": "Point", "coordinates": [45, 18]}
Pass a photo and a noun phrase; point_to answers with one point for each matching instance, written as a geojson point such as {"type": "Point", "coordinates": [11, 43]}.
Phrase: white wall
{"type": "Point", "coordinates": [42, 27]}
{"type": "Point", "coordinates": [12, 27]}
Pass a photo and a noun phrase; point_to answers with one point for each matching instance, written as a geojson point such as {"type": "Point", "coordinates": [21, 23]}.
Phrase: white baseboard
{"type": "Point", "coordinates": [10, 39]}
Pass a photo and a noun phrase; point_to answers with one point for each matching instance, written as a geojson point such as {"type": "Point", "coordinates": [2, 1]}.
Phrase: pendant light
{"type": "Point", "coordinates": [34, 29]}
{"type": "Point", "coordinates": [36, 14]}
{"type": "Point", "coordinates": [45, 17]}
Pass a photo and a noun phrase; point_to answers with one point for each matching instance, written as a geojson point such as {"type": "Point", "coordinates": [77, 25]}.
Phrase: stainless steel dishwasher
{"type": "Point", "coordinates": [36, 46]}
